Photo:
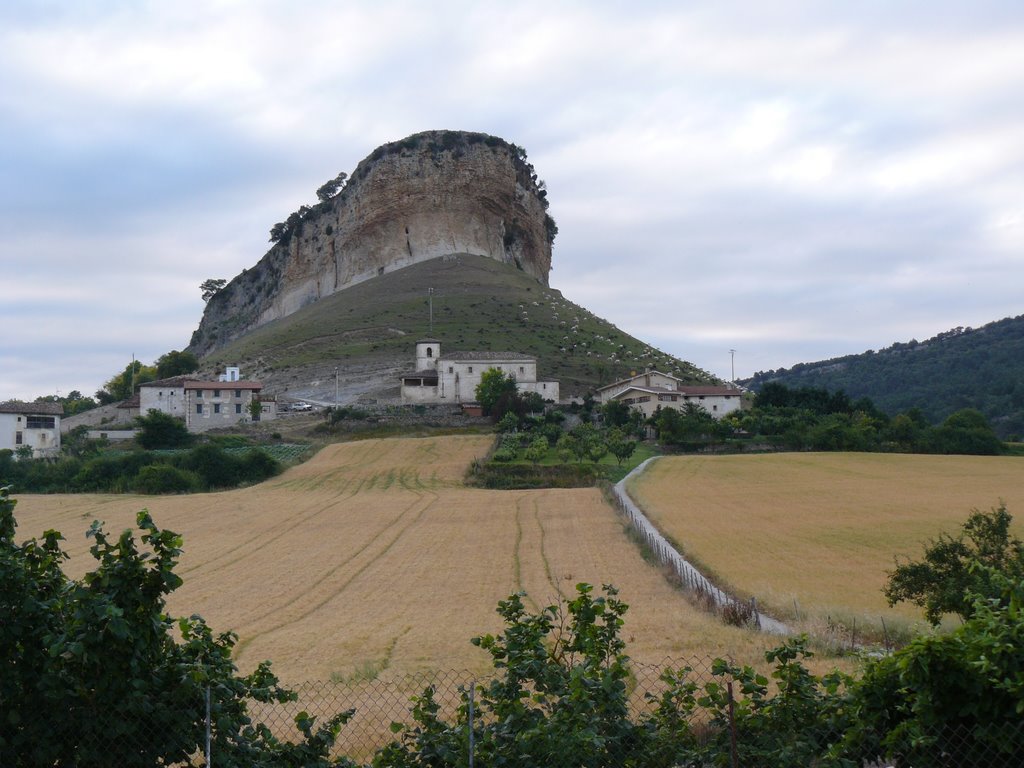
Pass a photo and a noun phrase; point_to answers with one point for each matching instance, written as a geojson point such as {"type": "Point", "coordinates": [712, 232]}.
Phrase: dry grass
{"type": "Point", "coordinates": [372, 559]}
{"type": "Point", "coordinates": [821, 529]}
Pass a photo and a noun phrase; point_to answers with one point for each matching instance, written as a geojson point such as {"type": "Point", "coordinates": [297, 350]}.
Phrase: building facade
{"type": "Point", "coordinates": [207, 405]}
{"type": "Point", "coordinates": [35, 425]}
{"type": "Point", "coordinates": [453, 377]}
{"type": "Point", "coordinates": [650, 390]}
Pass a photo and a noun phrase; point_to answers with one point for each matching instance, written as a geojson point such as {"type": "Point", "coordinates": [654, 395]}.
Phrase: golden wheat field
{"type": "Point", "coordinates": [816, 532]}
{"type": "Point", "coordinates": [372, 560]}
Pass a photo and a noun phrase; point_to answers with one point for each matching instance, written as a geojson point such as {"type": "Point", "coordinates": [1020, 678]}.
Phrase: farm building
{"type": "Point", "coordinates": [36, 425]}
{"type": "Point", "coordinates": [207, 404]}
{"type": "Point", "coordinates": [454, 376]}
{"type": "Point", "coordinates": [651, 390]}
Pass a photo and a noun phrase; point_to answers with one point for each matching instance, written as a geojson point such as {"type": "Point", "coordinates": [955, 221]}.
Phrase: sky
{"type": "Point", "coordinates": [790, 180]}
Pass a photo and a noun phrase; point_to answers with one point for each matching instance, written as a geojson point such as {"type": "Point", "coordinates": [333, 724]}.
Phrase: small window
{"type": "Point", "coordinates": [216, 393]}
{"type": "Point", "coordinates": [199, 393]}
{"type": "Point", "coordinates": [521, 369]}
{"type": "Point", "coordinates": [451, 369]}
{"type": "Point", "coordinates": [199, 407]}
{"type": "Point", "coordinates": [238, 393]}
{"type": "Point", "coordinates": [17, 438]}
{"type": "Point", "coordinates": [471, 369]}
{"type": "Point", "coordinates": [238, 407]}
{"type": "Point", "coordinates": [430, 351]}
{"type": "Point", "coordinates": [714, 407]}
{"type": "Point", "coordinates": [216, 407]}
{"type": "Point", "coordinates": [160, 393]}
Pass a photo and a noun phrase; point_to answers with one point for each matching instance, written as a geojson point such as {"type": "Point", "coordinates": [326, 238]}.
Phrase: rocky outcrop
{"type": "Point", "coordinates": [431, 195]}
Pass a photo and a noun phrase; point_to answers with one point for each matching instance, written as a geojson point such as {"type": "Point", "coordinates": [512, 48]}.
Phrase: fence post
{"type": "Point", "coordinates": [209, 760]}
{"type": "Point", "coordinates": [472, 745]}
{"type": "Point", "coordinates": [735, 758]}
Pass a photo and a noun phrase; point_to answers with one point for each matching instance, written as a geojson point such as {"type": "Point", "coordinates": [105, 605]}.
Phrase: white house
{"type": "Point", "coordinates": [36, 425]}
{"type": "Point", "coordinates": [207, 404]}
{"type": "Point", "coordinates": [453, 377]}
{"type": "Point", "coordinates": [651, 390]}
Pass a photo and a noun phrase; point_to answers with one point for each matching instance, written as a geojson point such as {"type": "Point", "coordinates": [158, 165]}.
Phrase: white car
{"type": "Point", "coordinates": [301, 406]}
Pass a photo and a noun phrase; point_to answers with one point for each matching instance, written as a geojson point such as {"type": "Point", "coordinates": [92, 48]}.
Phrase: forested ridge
{"type": "Point", "coordinates": [980, 368]}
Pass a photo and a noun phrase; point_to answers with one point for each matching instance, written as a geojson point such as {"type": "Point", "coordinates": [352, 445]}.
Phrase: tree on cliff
{"type": "Point", "coordinates": [211, 287]}
{"type": "Point", "coordinates": [331, 188]}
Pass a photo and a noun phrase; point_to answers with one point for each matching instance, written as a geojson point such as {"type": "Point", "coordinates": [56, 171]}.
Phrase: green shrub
{"type": "Point", "coordinates": [164, 478]}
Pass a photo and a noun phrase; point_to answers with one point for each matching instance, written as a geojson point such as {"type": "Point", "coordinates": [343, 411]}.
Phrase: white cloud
{"type": "Point", "coordinates": [803, 179]}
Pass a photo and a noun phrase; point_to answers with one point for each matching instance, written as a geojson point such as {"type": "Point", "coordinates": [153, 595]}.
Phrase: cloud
{"type": "Point", "coordinates": [795, 180]}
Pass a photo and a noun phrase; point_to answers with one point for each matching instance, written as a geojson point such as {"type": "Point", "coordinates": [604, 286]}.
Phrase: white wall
{"type": "Point", "coordinates": [44, 442]}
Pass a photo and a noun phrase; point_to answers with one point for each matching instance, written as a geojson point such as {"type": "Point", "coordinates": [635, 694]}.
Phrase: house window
{"type": "Point", "coordinates": [216, 393]}
{"type": "Point", "coordinates": [199, 393]}
{"type": "Point", "coordinates": [199, 407]}
{"type": "Point", "coordinates": [451, 369]}
{"type": "Point", "coordinates": [238, 393]}
{"type": "Point", "coordinates": [430, 351]}
{"type": "Point", "coordinates": [40, 422]}
{"type": "Point", "coordinates": [238, 407]}
{"type": "Point", "coordinates": [471, 369]}
{"type": "Point", "coordinates": [17, 438]}
{"type": "Point", "coordinates": [216, 407]}
{"type": "Point", "coordinates": [521, 369]}
{"type": "Point", "coordinates": [714, 407]}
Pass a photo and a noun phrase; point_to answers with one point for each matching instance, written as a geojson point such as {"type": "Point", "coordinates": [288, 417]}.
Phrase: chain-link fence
{"type": "Point", "coordinates": [392, 723]}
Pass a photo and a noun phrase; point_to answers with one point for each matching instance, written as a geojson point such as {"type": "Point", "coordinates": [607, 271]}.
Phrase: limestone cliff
{"type": "Point", "coordinates": [431, 195]}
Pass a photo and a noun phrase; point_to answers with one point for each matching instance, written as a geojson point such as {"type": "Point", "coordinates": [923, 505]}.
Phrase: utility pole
{"type": "Point", "coordinates": [732, 359]}
{"type": "Point", "coordinates": [335, 387]}
{"type": "Point", "coordinates": [430, 299]}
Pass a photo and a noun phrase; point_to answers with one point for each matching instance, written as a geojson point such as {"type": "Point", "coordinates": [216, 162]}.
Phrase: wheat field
{"type": "Point", "coordinates": [815, 533]}
{"type": "Point", "coordinates": [373, 561]}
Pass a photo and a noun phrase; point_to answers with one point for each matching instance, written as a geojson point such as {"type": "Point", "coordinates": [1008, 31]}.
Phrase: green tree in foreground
{"type": "Point", "coordinates": [947, 579]}
{"type": "Point", "coordinates": [101, 652]}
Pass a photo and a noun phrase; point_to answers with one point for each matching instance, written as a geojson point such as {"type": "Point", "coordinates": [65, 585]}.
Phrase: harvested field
{"type": "Point", "coordinates": [820, 529]}
{"type": "Point", "coordinates": [372, 561]}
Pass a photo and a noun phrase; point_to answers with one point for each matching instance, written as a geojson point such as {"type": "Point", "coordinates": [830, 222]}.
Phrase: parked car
{"type": "Point", "coordinates": [301, 406]}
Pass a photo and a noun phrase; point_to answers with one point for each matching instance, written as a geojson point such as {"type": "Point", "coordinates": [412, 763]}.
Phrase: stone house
{"type": "Point", "coordinates": [36, 425]}
{"type": "Point", "coordinates": [206, 405]}
{"type": "Point", "coordinates": [651, 390]}
{"type": "Point", "coordinates": [452, 377]}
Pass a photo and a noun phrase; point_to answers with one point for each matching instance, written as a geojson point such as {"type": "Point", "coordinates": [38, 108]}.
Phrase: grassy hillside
{"type": "Point", "coordinates": [980, 368]}
{"type": "Point", "coordinates": [369, 331]}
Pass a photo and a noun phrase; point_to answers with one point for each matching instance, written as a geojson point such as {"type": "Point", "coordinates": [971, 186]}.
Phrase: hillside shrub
{"type": "Point", "coordinates": [163, 478]}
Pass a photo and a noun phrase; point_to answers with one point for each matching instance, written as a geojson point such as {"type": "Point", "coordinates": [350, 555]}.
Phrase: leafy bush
{"type": "Point", "coordinates": [163, 478]}
{"type": "Point", "coordinates": [105, 645]}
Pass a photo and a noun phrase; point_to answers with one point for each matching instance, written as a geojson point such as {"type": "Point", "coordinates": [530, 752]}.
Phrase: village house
{"type": "Point", "coordinates": [35, 425]}
{"type": "Point", "coordinates": [207, 405]}
{"type": "Point", "coordinates": [650, 390]}
{"type": "Point", "coordinates": [453, 377]}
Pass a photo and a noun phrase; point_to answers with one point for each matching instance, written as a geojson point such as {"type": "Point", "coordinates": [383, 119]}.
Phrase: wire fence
{"type": "Point", "coordinates": [382, 731]}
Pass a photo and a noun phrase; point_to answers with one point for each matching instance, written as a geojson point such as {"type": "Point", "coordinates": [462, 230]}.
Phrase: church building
{"type": "Point", "coordinates": [453, 377]}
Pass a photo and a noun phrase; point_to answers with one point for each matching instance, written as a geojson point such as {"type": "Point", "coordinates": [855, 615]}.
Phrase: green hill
{"type": "Point", "coordinates": [980, 368]}
{"type": "Point", "coordinates": [368, 332]}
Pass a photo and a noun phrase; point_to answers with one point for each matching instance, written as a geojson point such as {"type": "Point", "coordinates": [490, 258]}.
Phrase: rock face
{"type": "Point", "coordinates": [431, 195]}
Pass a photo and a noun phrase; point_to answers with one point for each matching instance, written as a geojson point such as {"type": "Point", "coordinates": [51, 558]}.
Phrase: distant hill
{"type": "Point", "coordinates": [368, 331]}
{"type": "Point", "coordinates": [980, 368]}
